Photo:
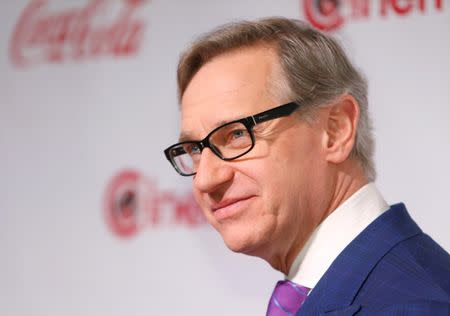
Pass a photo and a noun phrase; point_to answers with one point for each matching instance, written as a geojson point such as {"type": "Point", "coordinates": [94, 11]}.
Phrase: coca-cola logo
{"type": "Point", "coordinates": [133, 202]}
{"type": "Point", "coordinates": [330, 15]}
{"type": "Point", "coordinates": [100, 28]}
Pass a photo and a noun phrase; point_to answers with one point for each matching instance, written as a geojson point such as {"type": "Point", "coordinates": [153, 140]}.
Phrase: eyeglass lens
{"type": "Point", "coordinates": [227, 142]}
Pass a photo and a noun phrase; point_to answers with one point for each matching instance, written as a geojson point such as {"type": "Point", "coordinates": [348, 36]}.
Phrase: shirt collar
{"type": "Point", "coordinates": [335, 233]}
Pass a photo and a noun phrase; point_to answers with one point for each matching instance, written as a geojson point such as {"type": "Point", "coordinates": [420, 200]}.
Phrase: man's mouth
{"type": "Point", "coordinates": [230, 207]}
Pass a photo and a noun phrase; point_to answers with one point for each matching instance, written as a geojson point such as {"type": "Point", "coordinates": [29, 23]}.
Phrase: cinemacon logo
{"type": "Point", "coordinates": [332, 14]}
{"type": "Point", "coordinates": [47, 33]}
{"type": "Point", "coordinates": [133, 202]}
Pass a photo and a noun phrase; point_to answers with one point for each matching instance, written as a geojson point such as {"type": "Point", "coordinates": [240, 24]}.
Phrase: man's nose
{"type": "Point", "coordinates": [212, 172]}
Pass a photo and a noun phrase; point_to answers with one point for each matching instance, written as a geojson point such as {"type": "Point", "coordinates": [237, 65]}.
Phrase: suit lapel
{"type": "Point", "coordinates": [336, 290]}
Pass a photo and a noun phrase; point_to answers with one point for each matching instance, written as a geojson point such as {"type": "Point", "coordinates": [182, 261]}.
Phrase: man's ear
{"type": "Point", "coordinates": [340, 129]}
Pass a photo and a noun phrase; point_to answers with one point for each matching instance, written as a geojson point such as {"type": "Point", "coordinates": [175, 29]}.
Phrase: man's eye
{"type": "Point", "coordinates": [195, 149]}
{"type": "Point", "coordinates": [238, 138]}
{"type": "Point", "coordinates": [237, 133]}
{"type": "Point", "coordinates": [192, 149]}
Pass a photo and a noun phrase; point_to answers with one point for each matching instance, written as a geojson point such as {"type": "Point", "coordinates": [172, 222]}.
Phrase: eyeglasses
{"type": "Point", "coordinates": [229, 141]}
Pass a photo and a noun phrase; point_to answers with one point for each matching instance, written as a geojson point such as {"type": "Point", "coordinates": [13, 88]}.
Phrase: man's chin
{"type": "Point", "coordinates": [245, 245]}
{"type": "Point", "coordinates": [236, 243]}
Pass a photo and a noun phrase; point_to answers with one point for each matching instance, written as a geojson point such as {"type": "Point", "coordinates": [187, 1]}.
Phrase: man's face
{"type": "Point", "coordinates": [264, 203]}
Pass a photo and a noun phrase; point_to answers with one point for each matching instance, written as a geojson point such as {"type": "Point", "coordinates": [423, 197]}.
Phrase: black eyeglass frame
{"type": "Point", "coordinates": [249, 122]}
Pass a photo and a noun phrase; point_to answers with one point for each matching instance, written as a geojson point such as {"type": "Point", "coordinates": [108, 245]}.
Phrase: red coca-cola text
{"type": "Point", "coordinates": [42, 35]}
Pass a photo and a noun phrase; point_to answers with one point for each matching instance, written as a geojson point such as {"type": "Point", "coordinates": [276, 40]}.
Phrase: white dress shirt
{"type": "Point", "coordinates": [335, 233]}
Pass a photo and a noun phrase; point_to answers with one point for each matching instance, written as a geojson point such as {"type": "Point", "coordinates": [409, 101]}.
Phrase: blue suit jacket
{"type": "Point", "coordinates": [391, 268]}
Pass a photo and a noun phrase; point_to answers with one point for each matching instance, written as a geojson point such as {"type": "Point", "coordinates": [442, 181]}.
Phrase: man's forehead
{"type": "Point", "coordinates": [227, 88]}
{"type": "Point", "coordinates": [230, 72]}
{"type": "Point", "coordinates": [200, 117]}
{"type": "Point", "coordinates": [209, 96]}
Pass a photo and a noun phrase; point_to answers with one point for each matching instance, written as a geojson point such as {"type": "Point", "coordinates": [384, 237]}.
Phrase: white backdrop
{"type": "Point", "coordinates": [70, 124]}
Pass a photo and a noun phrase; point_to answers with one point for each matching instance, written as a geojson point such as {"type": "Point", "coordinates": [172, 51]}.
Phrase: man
{"type": "Point", "coordinates": [276, 134]}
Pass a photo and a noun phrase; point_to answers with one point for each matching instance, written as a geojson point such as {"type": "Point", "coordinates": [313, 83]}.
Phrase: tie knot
{"type": "Point", "coordinates": [287, 298]}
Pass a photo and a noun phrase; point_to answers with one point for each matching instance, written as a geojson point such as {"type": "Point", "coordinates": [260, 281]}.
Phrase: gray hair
{"type": "Point", "coordinates": [315, 69]}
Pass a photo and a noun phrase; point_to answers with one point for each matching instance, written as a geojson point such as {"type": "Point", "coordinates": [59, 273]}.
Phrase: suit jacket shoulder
{"type": "Point", "coordinates": [391, 268]}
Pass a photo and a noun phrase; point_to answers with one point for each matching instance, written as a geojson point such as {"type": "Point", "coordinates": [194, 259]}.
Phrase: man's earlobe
{"type": "Point", "coordinates": [341, 125]}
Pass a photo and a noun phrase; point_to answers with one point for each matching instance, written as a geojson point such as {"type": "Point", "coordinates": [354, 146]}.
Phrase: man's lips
{"type": "Point", "coordinates": [229, 208]}
{"type": "Point", "coordinates": [229, 203]}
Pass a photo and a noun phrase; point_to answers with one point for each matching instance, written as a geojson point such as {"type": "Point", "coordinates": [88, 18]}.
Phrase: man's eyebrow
{"type": "Point", "coordinates": [187, 135]}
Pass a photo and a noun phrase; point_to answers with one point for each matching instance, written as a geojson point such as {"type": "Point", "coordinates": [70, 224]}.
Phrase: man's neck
{"type": "Point", "coordinates": [346, 185]}
{"type": "Point", "coordinates": [329, 239]}
{"type": "Point", "coordinates": [349, 179]}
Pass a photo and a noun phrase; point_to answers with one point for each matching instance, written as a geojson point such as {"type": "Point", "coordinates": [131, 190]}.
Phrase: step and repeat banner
{"type": "Point", "coordinates": [94, 221]}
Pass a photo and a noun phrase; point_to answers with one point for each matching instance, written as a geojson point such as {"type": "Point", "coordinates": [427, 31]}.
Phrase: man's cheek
{"type": "Point", "coordinates": [200, 202]}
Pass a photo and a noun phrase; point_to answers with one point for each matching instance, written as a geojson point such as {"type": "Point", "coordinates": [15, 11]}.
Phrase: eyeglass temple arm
{"type": "Point", "coordinates": [283, 110]}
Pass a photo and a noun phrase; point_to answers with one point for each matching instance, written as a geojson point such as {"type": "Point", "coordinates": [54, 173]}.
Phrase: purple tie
{"type": "Point", "coordinates": [287, 298]}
